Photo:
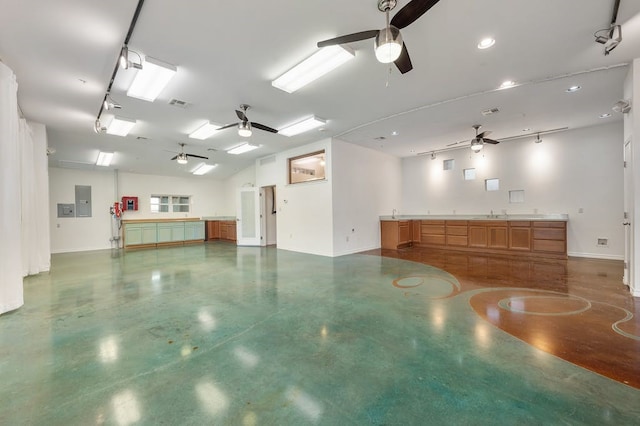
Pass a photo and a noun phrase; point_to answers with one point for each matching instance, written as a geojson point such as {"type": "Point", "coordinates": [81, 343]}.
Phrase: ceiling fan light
{"type": "Point", "coordinates": [476, 145]}
{"type": "Point", "coordinates": [388, 44]}
{"type": "Point", "coordinates": [182, 158]}
{"type": "Point", "coordinates": [244, 129]}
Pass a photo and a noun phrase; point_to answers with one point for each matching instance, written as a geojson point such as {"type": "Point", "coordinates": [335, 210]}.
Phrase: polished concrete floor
{"type": "Point", "coordinates": [215, 334]}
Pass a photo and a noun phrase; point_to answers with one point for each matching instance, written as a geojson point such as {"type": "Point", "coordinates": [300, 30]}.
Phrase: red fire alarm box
{"type": "Point", "coordinates": [129, 203]}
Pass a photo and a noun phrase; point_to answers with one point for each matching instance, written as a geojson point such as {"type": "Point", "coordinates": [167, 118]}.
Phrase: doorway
{"type": "Point", "coordinates": [268, 215]}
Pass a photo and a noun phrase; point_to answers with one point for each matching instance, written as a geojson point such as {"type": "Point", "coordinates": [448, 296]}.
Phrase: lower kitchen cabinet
{"type": "Point", "coordinates": [149, 233]}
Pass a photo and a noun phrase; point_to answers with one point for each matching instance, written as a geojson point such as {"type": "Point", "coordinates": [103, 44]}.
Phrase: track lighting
{"type": "Point", "coordinates": [537, 140]}
{"type": "Point", "coordinates": [610, 37]}
{"type": "Point", "coordinates": [110, 104]}
{"type": "Point", "coordinates": [97, 127]}
{"type": "Point", "coordinates": [125, 63]}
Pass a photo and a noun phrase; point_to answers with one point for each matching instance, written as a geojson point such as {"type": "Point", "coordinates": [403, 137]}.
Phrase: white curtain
{"type": "Point", "coordinates": [35, 201]}
{"type": "Point", "coordinates": [11, 295]}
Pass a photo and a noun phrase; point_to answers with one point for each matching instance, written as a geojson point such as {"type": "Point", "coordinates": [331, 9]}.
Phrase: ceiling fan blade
{"type": "Point", "coordinates": [196, 156]}
{"type": "Point", "coordinates": [263, 127]}
{"type": "Point", "coordinates": [227, 126]}
{"type": "Point", "coordinates": [174, 158]}
{"type": "Point", "coordinates": [483, 134]}
{"type": "Point", "coordinates": [411, 11]}
{"type": "Point", "coordinates": [491, 141]}
{"type": "Point", "coordinates": [404, 62]}
{"type": "Point", "coordinates": [241, 115]}
{"type": "Point", "coordinates": [349, 38]}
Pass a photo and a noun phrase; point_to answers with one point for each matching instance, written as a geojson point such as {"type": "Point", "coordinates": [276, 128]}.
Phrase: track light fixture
{"type": "Point", "coordinates": [537, 140]}
{"type": "Point", "coordinates": [125, 63]}
{"type": "Point", "coordinates": [109, 103]}
{"type": "Point", "coordinates": [97, 127]}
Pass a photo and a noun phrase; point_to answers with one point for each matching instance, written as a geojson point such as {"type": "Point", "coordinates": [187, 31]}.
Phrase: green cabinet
{"type": "Point", "coordinates": [162, 233]}
{"type": "Point", "coordinates": [140, 233]}
{"type": "Point", "coordinates": [193, 231]}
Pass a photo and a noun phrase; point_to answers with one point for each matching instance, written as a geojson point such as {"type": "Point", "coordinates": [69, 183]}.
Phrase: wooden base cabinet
{"type": "Point", "coordinates": [395, 234]}
{"type": "Point", "coordinates": [221, 230]}
{"type": "Point", "coordinates": [536, 238]}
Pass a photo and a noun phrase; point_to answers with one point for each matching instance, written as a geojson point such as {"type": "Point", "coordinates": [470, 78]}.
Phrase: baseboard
{"type": "Point", "coordinates": [354, 251]}
{"type": "Point", "coordinates": [597, 256]}
{"type": "Point", "coordinates": [76, 250]}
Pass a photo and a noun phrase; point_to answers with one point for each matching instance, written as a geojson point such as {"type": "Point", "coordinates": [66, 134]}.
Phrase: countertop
{"type": "Point", "coordinates": [218, 218]}
{"type": "Point", "coordinates": [524, 217]}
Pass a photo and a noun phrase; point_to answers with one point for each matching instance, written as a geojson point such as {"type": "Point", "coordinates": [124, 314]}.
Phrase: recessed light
{"type": "Point", "coordinates": [507, 84]}
{"type": "Point", "coordinates": [573, 89]}
{"type": "Point", "coordinates": [394, 133]}
{"type": "Point", "coordinates": [486, 43]}
{"type": "Point", "coordinates": [605, 115]}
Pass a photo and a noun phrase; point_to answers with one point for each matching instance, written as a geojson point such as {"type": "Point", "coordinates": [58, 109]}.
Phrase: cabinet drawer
{"type": "Point", "coordinates": [457, 240]}
{"type": "Point", "coordinates": [549, 246]}
{"type": "Point", "coordinates": [432, 229]}
{"type": "Point", "coordinates": [549, 224]}
{"type": "Point", "coordinates": [548, 234]}
{"type": "Point", "coordinates": [457, 230]}
{"type": "Point", "coordinates": [519, 224]}
{"type": "Point", "coordinates": [432, 239]}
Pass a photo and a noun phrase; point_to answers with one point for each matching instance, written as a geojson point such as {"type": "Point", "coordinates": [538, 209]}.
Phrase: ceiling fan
{"type": "Point", "coordinates": [480, 140]}
{"type": "Point", "coordinates": [388, 43]}
{"type": "Point", "coordinates": [183, 157]}
{"type": "Point", "coordinates": [244, 126]}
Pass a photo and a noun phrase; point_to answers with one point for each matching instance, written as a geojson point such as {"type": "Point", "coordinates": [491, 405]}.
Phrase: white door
{"type": "Point", "coordinates": [627, 278]}
{"type": "Point", "coordinates": [248, 221]}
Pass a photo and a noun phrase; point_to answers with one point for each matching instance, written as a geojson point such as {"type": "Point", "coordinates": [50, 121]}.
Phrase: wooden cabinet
{"type": "Point", "coordinates": [221, 230]}
{"type": "Point", "coordinates": [539, 238]}
{"type": "Point", "coordinates": [433, 232]}
{"type": "Point", "coordinates": [498, 235]}
{"type": "Point", "coordinates": [415, 231]}
{"type": "Point", "coordinates": [457, 233]}
{"type": "Point", "coordinates": [477, 234]}
{"type": "Point", "coordinates": [520, 235]}
{"type": "Point", "coordinates": [213, 229]}
{"type": "Point", "coordinates": [549, 237]}
{"type": "Point", "coordinates": [395, 233]}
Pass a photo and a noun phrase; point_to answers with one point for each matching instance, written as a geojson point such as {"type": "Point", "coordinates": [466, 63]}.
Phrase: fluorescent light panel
{"type": "Point", "coordinates": [203, 168]}
{"type": "Point", "coordinates": [104, 159]}
{"type": "Point", "coordinates": [241, 149]}
{"type": "Point", "coordinates": [302, 126]}
{"type": "Point", "coordinates": [320, 63]}
{"type": "Point", "coordinates": [120, 126]}
{"type": "Point", "coordinates": [205, 131]}
{"type": "Point", "coordinates": [151, 79]}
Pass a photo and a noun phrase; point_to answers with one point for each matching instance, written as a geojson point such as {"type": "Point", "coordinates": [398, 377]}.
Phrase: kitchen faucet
{"type": "Point", "coordinates": [393, 215]}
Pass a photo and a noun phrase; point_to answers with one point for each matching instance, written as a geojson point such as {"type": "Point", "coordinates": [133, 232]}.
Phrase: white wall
{"type": "Point", "coordinates": [366, 185]}
{"type": "Point", "coordinates": [243, 178]}
{"type": "Point", "coordinates": [304, 210]}
{"type": "Point", "coordinates": [79, 234]}
{"type": "Point", "coordinates": [568, 171]}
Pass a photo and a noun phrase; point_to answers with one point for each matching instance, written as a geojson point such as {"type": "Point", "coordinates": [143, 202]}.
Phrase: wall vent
{"type": "Point", "coordinates": [603, 242]}
{"type": "Point", "coordinates": [178, 103]}
{"type": "Point", "coordinates": [490, 111]}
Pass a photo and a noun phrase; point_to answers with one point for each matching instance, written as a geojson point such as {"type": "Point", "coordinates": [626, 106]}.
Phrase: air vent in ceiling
{"type": "Point", "coordinates": [380, 138]}
{"type": "Point", "coordinates": [490, 111]}
{"type": "Point", "coordinates": [178, 103]}
{"type": "Point", "coordinates": [141, 138]}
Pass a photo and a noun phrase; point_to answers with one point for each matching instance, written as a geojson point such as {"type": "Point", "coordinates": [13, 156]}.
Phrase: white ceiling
{"type": "Point", "coordinates": [227, 53]}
